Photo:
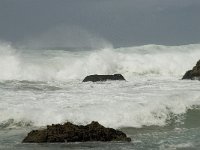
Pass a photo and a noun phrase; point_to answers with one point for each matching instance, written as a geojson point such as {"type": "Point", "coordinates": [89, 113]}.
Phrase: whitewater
{"type": "Point", "coordinates": [153, 106]}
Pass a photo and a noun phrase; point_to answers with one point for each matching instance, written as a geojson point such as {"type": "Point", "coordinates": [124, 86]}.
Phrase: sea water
{"type": "Point", "coordinates": [153, 106]}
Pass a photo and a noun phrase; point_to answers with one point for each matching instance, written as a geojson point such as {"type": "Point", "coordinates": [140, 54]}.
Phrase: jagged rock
{"type": "Point", "coordinates": [69, 132]}
{"type": "Point", "coordinates": [194, 73]}
{"type": "Point", "coordinates": [36, 136]}
{"type": "Point", "coordinates": [95, 78]}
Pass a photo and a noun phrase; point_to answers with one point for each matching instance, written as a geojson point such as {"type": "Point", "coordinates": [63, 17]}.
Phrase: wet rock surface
{"type": "Point", "coordinates": [69, 132]}
{"type": "Point", "coordinates": [193, 74]}
{"type": "Point", "coordinates": [95, 78]}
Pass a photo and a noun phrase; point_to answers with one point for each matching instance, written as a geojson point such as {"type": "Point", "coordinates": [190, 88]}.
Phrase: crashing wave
{"type": "Point", "coordinates": [45, 65]}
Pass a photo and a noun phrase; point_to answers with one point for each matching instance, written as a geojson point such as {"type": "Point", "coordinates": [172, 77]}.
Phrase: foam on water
{"type": "Point", "coordinates": [119, 104]}
{"type": "Point", "coordinates": [43, 87]}
{"type": "Point", "coordinates": [48, 65]}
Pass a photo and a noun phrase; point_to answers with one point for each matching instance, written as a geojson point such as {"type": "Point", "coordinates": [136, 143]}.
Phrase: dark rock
{"type": "Point", "coordinates": [188, 75]}
{"type": "Point", "coordinates": [194, 73]}
{"type": "Point", "coordinates": [69, 132]}
{"type": "Point", "coordinates": [36, 136]}
{"type": "Point", "coordinates": [95, 78]}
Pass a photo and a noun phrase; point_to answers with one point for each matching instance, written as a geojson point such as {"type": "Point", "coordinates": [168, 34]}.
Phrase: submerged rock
{"type": "Point", "coordinates": [95, 78]}
{"type": "Point", "coordinates": [194, 73]}
{"type": "Point", "coordinates": [69, 132]}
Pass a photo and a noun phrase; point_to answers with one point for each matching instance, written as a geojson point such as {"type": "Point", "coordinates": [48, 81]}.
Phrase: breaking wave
{"type": "Point", "coordinates": [188, 119]}
{"type": "Point", "coordinates": [115, 105]}
{"type": "Point", "coordinates": [41, 87]}
{"type": "Point", "coordinates": [43, 65]}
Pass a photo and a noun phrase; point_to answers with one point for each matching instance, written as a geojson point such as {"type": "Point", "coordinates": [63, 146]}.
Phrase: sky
{"type": "Point", "coordinates": [99, 23]}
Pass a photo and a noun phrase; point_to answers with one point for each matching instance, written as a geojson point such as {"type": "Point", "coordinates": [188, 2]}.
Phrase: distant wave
{"type": "Point", "coordinates": [11, 123]}
{"type": "Point", "coordinates": [45, 65]}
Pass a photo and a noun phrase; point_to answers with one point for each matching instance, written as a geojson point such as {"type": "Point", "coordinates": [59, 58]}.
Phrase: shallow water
{"type": "Point", "coordinates": [153, 138]}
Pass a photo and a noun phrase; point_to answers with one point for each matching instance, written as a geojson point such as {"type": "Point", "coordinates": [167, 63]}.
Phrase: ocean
{"type": "Point", "coordinates": [154, 107]}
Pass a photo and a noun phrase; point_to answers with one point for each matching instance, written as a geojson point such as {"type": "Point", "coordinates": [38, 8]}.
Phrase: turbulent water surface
{"type": "Point", "coordinates": [154, 107]}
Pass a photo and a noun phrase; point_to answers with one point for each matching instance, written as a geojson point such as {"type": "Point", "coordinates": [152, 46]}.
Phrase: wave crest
{"type": "Point", "coordinates": [11, 123]}
{"type": "Point", "coordinates": [61, 65]}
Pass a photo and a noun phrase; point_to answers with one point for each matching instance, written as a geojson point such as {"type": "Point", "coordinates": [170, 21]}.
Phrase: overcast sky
{"type": "Point", "coordinates": [54, 23]}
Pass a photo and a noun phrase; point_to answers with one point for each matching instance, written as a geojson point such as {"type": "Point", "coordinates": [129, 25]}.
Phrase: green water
{"type": "Point", "coordinates": [181, 135]}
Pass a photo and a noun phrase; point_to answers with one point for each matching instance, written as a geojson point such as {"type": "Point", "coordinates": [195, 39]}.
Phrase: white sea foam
{"type": "Point", "coordinates": [118, 104]}
{"type": "Point", "coordinates": [152, 93]}
{"type": "Point", "coordinates": [64, 65]}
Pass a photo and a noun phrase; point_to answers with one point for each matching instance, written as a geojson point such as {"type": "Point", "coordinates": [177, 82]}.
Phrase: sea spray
{"type": "Point", "coordinates": [114, 104]}
{"type": "Point", "coordinates": [63, 65]}
{"type": "Point", "coordinates": [155, 107]}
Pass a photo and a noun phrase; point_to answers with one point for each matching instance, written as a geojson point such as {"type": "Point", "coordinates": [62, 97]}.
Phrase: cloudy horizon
{"type": "Point", "coordinates": [90, 23]}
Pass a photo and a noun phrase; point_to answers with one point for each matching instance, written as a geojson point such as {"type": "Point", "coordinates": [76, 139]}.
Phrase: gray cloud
{"type": "Point", "coordinates": [122, 22]}
{"type": "Point", "coordinates": [63, 36]}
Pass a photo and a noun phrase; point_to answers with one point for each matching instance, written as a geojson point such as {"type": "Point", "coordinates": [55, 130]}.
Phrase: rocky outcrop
{"type": "Point", "coordinates": [194, 73]}
{"type": "Point", "coordinates": [95, 78]}
{"type": "Point", "coordinates": [69, 132]}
